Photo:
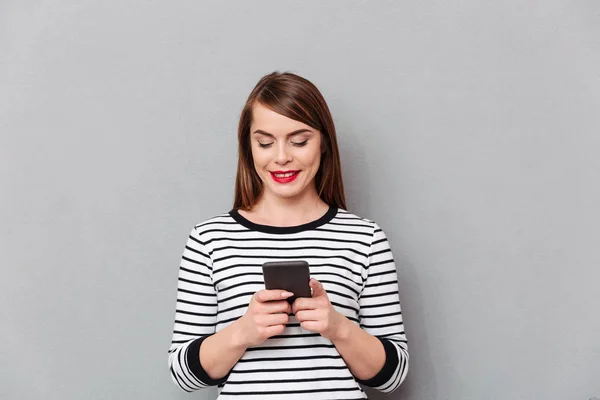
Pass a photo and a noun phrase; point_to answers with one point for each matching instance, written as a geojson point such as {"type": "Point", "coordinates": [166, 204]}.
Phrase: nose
{"type": "Point", "coordinates": [283, 156]}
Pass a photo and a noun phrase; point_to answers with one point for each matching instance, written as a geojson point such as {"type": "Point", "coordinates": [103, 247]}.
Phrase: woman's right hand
{"type": "Point", "coordinates": [266, 316]}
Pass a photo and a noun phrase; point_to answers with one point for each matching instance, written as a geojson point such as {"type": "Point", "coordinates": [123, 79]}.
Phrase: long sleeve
{"type": "Point", "coordinates": [195, 316]}
{"type": "Point", "coordinates": [381, 316]}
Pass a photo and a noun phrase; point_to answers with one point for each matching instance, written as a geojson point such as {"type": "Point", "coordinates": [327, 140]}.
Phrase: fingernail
{"type": "Point", "coordinates": [286, 294]}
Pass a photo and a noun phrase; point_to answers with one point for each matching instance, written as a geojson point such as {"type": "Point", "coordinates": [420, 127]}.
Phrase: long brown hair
{"type": "Point", "coordinates": [297, 98]}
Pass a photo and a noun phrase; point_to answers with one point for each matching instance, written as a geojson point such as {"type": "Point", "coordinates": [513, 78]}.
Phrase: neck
{"type": "Point", "coordinates": [282, 211]}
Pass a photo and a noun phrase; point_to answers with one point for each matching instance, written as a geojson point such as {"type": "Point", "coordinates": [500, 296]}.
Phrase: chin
{"type": "Point", "coordinates": [287, 193]}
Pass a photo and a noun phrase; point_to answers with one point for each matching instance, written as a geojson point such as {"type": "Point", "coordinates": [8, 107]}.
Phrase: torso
{"type": "Point", "coordinates": [336, 246]}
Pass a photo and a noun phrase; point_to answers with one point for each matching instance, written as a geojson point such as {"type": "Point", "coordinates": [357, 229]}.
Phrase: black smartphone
{"type": "Point", "coordinates": [293, 276]}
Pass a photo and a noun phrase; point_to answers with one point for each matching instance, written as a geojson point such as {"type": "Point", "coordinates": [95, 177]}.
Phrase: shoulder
{"type": "Point", "coordinates": [218, 221]}
{"type": "Point", "coordinates": [347, 218]}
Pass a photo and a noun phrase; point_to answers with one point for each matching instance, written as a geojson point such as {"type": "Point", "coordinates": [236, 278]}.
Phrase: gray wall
{"type": "Point", "coordinates": [469, 130]}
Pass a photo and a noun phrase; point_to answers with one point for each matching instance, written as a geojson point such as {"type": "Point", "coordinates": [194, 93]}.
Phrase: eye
{"type": "Point", "coordinates": [264, 145]}
{"type": "Point", "coordinates": [300, 144]}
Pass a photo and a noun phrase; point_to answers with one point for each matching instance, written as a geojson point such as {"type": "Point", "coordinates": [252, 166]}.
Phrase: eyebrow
{"type": "Point", "coordinates": [296, 132]}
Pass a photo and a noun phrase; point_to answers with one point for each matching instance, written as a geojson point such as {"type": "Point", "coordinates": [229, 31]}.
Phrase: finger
{"type": "Point", "coordinates": [273, 319]}
{"type": "Point", "coordinates": [273, 330]}
{"type": "Point", "coordinates": [269, 295]}
{"type": "Point", "coordinates": [304, 303]}
{"type": "Point", "coordinates": [278, 306]}
{"type": "Point", "coordinates": [313, 326]}
{"type": "Point", "coordinates": [308, 315]}
{"type": "Point", "coordinates": [317, 287]}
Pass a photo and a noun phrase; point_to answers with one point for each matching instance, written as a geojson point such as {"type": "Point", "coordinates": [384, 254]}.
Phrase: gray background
{"type": "Point", "coordinates": [469, 131]}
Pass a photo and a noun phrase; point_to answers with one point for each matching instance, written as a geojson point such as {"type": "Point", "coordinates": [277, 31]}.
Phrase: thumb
{"type": "Point", "coordinates": [317, 287]}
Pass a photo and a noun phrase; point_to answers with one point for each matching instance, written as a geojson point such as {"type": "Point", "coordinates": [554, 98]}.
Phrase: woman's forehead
{"type": "Point", "coordinates": [270, 122]}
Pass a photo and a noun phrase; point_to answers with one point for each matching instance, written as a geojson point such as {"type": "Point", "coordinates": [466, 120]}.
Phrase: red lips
{"type": "Point", "coordinates": [286, 179]}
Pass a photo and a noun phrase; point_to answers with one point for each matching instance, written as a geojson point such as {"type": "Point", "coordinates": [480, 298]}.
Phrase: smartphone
{"type": "Point", "coordinates": [293, 276]}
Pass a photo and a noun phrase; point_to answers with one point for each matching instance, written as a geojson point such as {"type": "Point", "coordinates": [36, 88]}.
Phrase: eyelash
{"type": "Point", "coordinates": [264, 146]}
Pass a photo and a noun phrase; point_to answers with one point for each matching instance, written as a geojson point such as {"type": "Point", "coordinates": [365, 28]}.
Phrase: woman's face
{"type": "Point", "coordinates": [287, 153]}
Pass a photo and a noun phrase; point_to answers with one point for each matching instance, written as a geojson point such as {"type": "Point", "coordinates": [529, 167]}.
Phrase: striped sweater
{"type": "Point", "coordinates": [221, 268]}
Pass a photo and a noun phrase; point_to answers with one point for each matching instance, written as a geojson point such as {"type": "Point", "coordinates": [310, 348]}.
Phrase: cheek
{"type": "Point", "coordinates": [259, 158]}
{"type": "Point", "coordinates": [316, 161]}
{"type": "Point", "coordinates": [312, 158]}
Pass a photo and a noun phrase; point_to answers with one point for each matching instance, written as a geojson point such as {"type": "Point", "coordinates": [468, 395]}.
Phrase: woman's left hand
{"type": "Point", "coordinates": [316, 314]}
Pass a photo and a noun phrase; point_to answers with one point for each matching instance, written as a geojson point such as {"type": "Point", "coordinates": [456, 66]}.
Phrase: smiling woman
{"type": "Point", "coordinates": [286, 163]}
{"type": "Point", "coordinates": [289, 205]}
{"type": "Point", "coordinates": [285, 112]}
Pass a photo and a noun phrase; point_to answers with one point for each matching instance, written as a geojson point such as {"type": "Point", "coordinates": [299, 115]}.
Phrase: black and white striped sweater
{"type": "Point", "coordinates": [221, 268]}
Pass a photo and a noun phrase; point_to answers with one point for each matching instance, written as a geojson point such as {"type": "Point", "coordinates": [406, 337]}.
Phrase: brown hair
{"type": "Point", "coordinates": [297, 98]}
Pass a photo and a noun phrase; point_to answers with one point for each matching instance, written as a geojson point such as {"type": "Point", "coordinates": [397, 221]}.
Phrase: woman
{"type": "Point", "coordinates": [289, 205]}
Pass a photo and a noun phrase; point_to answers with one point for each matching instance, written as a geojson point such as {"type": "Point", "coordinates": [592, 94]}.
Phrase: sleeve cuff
{"type": "Point", "coordinates": [389, 367]}
{"type": "Point", "coordinates": [193, 361]}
